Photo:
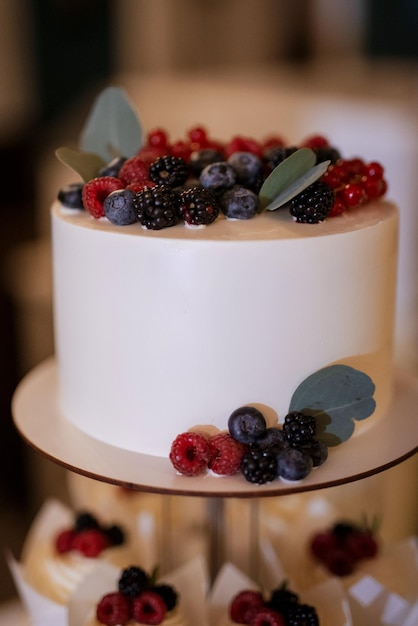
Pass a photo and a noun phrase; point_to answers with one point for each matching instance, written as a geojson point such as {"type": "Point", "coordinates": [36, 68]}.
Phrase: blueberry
{"type": "Point", "coordinates": [218, 177]}
{"type": "Point", "coordinates": [112, 168]}
{"type": "Point", "coordinates": [293, 464]}
{"type": "Point", "coordinates": [120, 207]}
{"type": "Point", "coordinates": [248, 168]}
{"type": "Point", "coordinates": [272, 438]}
{"type": "Point", "coordinates": [239, 203]}
{"type": "Point", "coordinates": [317, 450]}
{"type": "Point", "coordinates": [246, 424]}
{"type": "Point", "coordinates": [71, 196]}
{"type": "Point", "coordinates": [199, 159]}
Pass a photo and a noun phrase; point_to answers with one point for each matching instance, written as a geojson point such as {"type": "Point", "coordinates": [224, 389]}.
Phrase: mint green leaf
{"type": "Point", "coordinates": [86, 164]}
{"type": "Point", "coordinates": [285, 174]}
{"type": "Point", "coordinates": [112, 128]}
{"type": "Point", "coordinates": [298, 185]}
{"type": "Point", "coordinates": [337, 396]}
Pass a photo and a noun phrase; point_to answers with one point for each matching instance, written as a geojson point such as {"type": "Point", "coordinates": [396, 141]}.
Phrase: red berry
{"type": "Point", "coordinates": [243, 605]}
{"type": "Point", "coordinates": [373, 187]}
{"type": "Point", "coordinates": [353, 195]}
{"type": "Point", "coordinates": [373, 169]}
{"type": "Point", "coordinates": [362, 545]}
{"type": "Point", "coordinates": [268, 617]}
{"type": "Point", "coordinates": [90, 542]}
{"type": "Point", "coordinates": [243, 144]}
{"type": "Point", "coordinates": [316, 141]}
{"type": "Point", "coordinates": [198, 136]}
{"type": "Point", "coordinates": [322, 545]}
{"type": "Point", "coordinates": [113, 609]}
{"type": "Point", "coordinates": [136, 187]}
{"type": "Point", "coordinates": [340, 562]}
{"type": "Point", "coordinates": [354, 166]}
{"type": "Point", "coordinates": [151, 153]}
{"type": "Point", "coordinates": [338, 208]}
{"type": "Point", "coordinates": [332, 178]}
{"type": "Point", "coordinates": [181, 149]}
{"type": "Point", "coordinates": [225, 454]}
{"type": "Point", "coordinates": [273, 142]}
{"type": "Point", "coordinates": [95, 192]}
{"type": "Point", "coordinates": [149, 608]}
{"type": "Point", "coordinates": [64, 541]}
{"type": "Point", "coordinates": [339, 172]}
{"type": "Point", "coordinates": [134, 170]}
{"type": "Point", "coordinates": [157, 138]}
{"type": "Point", "coordinates": [189, 453]}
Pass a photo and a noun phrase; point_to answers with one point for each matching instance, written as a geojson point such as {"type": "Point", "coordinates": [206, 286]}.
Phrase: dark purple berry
{"type": "Point", "coordinates": [239, 203]}
{"type": "Point", "coordinates": [197, 206]}
{"type": "Point", "coordinates": [293, 464]}
{"type": "Point", "coordinates": [246, 424]}
{"type": "Point", "coordinates": [132, 581]}
{"type": "Point", "coordinates": [169, 170]}
{"type": "Point", "coordinates": [317, 450]}
{"type": "Point", "coordinates": [112, 168]}
{"type": "Point", "coordinates": [120, 207]}
{"type": "Point", "coordinates": [218, 177]}
{"type": "Point", "coordinates": [199, 159]}
{"type": "Point", "coordinates": [70, 196]}
{"type": "Point", "coordinates": [248, 168]}
{"type": "Point", "coordinates": [259, 466]}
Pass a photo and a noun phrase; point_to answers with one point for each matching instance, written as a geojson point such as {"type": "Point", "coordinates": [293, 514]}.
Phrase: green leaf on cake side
{"type": "Point", "coordinates": [112, 128]}
{"type": "Point", "coordinates": [298, 185]}
{"type": "Point", "coordinates": [86, 164]}
{"type": "Point", "coordinates": [285, 174]}
{"type": "Point", "coordinates": [337, 396]}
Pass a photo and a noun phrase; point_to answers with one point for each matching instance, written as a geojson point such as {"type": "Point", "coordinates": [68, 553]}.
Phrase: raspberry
{"type": "Point", "coordinates": [259, 466]}
{"type": "Point", "coordinates": [299, 428]}
{"type": "Point", "coordinates": [197, 206]}
{"type": "Point", "coordinates": [190, 453]}
{"type": "Point", "coordinates": [322, 545]}
{"type": "Point", "coordinates": [90, 542]}
{"type": "Point", "coordinates": [150, 153]}
{"type": "Point", "coordinates": [96, 191]}
{"type": "Point", "coordinates": [169, 170]}
{"type": "Point", "coordinates": [340, 562]}
{"type": "Point", "coordinates": [268, 617]}
{"type": "Point", "coordinates": [134, 170]}
{"type": "Point", "coordinates": [225, 454]}
{"type": "Point", "coordinates": [243, 605]}
{"type": "Point", "coordinates": [149, 608]}
{"type": "Point", "coordinates": [157, 207]}
{"type": "Point", "coordinates": [133, 581]}
{"type": "Point", "coordinates": [64, 541]}
{"type": "Point", "coordinates": [362, 545]}
{"type": "Point", "coordinates": [313, 204]}
{"type": "Point", "coordinates": [113, 610]}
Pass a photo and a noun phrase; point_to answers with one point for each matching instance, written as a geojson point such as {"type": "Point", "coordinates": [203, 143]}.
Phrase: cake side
{"type": "Point", "coordinates": [159, 331]}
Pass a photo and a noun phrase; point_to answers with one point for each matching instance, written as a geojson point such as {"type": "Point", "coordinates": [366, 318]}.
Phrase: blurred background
{"type": "Point", "coordinates": [347, 69]}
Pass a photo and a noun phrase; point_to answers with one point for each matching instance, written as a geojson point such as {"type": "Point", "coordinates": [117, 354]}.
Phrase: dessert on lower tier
{"type": "Point", "coordinates": [223, 298]}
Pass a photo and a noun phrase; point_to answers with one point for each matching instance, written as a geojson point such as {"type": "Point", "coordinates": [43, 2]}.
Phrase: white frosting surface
{"type": "Point", "coordinates": [158, 331]}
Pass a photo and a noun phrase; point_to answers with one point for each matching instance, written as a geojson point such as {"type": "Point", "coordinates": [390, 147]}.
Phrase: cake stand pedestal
{"type": "Point", "coordinates": [389, 441]}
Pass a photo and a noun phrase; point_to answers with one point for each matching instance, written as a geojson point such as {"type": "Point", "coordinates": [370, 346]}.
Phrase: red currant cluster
{"type": "Point", "coordinates": [343, 546]}
{"type": "Point", "coordinates": [355, 182]}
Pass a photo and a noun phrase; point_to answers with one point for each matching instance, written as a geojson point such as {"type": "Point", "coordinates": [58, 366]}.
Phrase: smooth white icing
{"type": "Point", "coordinates": [158, 331]}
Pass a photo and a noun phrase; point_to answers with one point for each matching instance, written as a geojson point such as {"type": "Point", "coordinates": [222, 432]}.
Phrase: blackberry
{"type": "Point", "coordinates": [115, 535]}
{"type": "Point", "coordinates": [302, 615]}
{"type": "Point", "coordinates": [157, 207]}
{"type": "Point", "coordinates": [299, 428]}
{"type": "Point", "coordinates": [327, 153]}
{"type": "Point", "coordinates": [342, 529]}
{"type": "Point", "coordinates": [197, 206]}
{"type": "Point", "coordinates": [169, 170]}
{"type": "Point", "coordinates": [168, 594]}
{"type": "Point", "coordinates": [259, 466]}
{"type": "Point", "coordinates": [313, 204]}
{"type": "Point", "coordinates": [274, 156]}
{"type": "Point", "coordinates": [85, 521]}
{"type": "Point", "coordinates": [133, 581]}
{"type": "Point", "coordinates": [282, 598]}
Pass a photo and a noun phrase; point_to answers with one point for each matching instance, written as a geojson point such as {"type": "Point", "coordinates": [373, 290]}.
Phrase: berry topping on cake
{"type": "Point", "coordinates": [302, 615]}
{"type": "Point", "coordinates": [247, 424]}
{"type": "Point", "coordinates": [134, 170]}
{"type": "Point", "coordinates": [190, 453]}
{"type": "Point", "coordinates": [133, 581]}
{"type": "Point", "coordinates": [169, 170]}
{"type": "Point", "coordinates": [113, 609]}
{"type": "Point", "coordinates": [225, 454]}
{"type": "Point", "coordinates": [218, 177]}
{"type": "Point", "coordinates": [313, 204]}
{"type": "Point", "coordinates": [268, 617]}
{"type": "Point", "coordinates": [343, 546]}
{"type": "Point", "coordinates": [239, 203]}
{"type": "Point", "coordinates": [197, 206]}
{"type": "Point", "coordinates": [248, 169]}
{"type": "Point", "coordinates": [88, 536]}
{"type": "Point", "coordinates": [199, 159]}
{"type": "Point", "coordinates": [244, 606]}
{"type": "Point", "coordinates": [96, 191]}
{"type": "Point", "coordinates": [71, 196]}
{"type": "Point", "coordinates": [120, 207]}
{"type": "Point", "coordinates": [113, 168]}
{"type": "Point", "coordinates": [149, 608]}
{"type": "Point", "coordinates": [157, 207]}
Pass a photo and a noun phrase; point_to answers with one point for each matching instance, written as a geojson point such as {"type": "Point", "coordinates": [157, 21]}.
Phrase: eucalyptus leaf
{"type": "Point", "coordinates": [298, 185]}
{"type": "Point", "coordinates": [86, 164]}
{"type": "Point", "coordinates": [112, 128]}
{"type": "Point", "coordinates": [337, 395]}
{"type": "Point", "coordinates": [285, 174]}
